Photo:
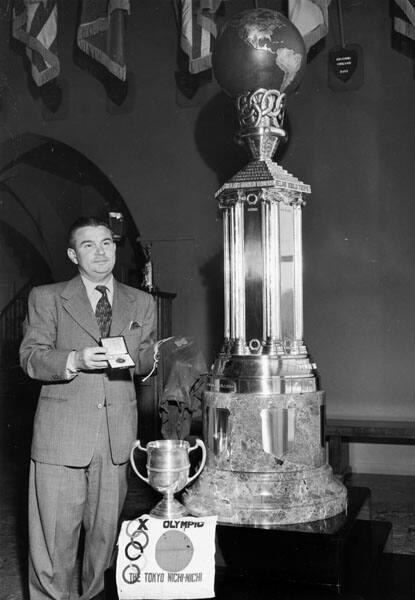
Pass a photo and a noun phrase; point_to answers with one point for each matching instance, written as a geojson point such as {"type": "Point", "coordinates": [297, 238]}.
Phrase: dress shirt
{"type": "Point", "coordinates": [93, 296]}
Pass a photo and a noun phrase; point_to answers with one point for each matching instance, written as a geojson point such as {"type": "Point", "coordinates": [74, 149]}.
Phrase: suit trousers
{"type": "Point", "coordinates": [63, 499]}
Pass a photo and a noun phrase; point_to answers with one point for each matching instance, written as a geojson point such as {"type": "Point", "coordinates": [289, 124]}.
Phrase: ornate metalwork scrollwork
{"type": "Point", "coordinates": [261, 108]}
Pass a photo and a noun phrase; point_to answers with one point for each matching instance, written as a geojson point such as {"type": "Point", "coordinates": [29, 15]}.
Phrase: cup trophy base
{"type": "Point", "coordinates": [169, 508]}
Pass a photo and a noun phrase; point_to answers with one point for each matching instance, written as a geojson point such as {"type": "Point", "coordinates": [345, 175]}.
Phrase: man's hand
{"type": "Point", "coordinates": [90, 359]}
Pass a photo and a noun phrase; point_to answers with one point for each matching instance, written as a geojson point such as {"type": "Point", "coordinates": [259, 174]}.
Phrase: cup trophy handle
{"type": "Point", "coordinates": [138, 445]}
{"type": "Point", "coordinates": [198, 444]}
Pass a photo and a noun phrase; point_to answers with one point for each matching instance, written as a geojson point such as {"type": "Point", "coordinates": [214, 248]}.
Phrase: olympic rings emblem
{"type": "Point", "coordinates": [137, 546]}
{"type": "Point", "coordinates": [131, 574]}
{"type": "Point", "coordinates": [136, 533]}
{"type": "Point", "coordinates": [139, 540]}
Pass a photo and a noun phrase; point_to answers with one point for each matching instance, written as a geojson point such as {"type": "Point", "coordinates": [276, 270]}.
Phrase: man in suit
{"type": "Point", "coordinates": [86, 418]}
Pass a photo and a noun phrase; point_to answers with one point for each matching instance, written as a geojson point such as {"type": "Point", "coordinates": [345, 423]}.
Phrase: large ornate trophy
{"type": "Point", "coordinates": [263, 413]}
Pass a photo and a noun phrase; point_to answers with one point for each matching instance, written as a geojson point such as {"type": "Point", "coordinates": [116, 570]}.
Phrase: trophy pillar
{"type": "Point", "coordinates": [298, 277]}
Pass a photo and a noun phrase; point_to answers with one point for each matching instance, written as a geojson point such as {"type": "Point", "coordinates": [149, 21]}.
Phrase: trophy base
{"type": "Point", "coordinates": [267, 463]}
{"type": "Point", "coordinates": [302, 495]}
{"type": "Point", "coordinates": [169, 508]}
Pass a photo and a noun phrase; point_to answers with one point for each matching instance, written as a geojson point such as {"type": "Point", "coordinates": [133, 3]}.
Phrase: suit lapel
{"type": "Point", "coordinates": [76, 303]}
{"type": "Point", "coordinates": [122, 309]}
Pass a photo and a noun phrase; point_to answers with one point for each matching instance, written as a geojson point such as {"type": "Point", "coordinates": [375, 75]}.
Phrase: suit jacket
{"type": "Point", "coordinates": [60, 319]}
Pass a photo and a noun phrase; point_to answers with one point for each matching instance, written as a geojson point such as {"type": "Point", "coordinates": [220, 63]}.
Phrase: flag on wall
{"type": "Point", "coordinates": [405, 26]}
{"type": "Point", "coordinates": [198, 31]}
{"type": "Point", "coordinates": [101, 33]}
{"type": "Point", "coordinates": [35, 24]}
{"type": "Point", "coordinates": [311, 17]}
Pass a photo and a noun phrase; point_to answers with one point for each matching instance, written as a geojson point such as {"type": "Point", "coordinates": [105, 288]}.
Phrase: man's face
{"type": "Point", "coordinates": [93, 252]}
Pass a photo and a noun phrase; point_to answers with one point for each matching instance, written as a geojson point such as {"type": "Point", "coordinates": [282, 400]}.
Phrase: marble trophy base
{"type": "Point", "coordinates": [257, 499]}
{"type": "Point", "coordinates": [266, 461]}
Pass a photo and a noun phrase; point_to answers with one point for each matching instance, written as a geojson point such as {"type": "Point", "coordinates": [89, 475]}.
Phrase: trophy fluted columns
{"type": "Point", "coordinates": [298, 279]}
{"type": "Point", "coordinates": [226, 276]}
{"type": "Point", "coordinates": [272, 277]}
{"type": "Point", "coordinates": [237, 283]}
{"type": "Point", "coordinates": [244, 256]}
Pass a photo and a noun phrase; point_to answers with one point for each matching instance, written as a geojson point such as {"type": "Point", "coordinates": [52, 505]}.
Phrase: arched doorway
{"type": "Point", "coordinates": [45, 185]}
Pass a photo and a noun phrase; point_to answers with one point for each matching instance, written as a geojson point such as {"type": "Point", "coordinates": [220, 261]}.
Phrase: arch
{"type": "Point", "coordinates": [28, 259]}
{"type": "Point", "coordinates": [28, 151]}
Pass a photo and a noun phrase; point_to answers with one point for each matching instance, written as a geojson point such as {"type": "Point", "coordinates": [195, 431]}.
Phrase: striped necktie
{"type": "Point", "coordinates": [103, 311]}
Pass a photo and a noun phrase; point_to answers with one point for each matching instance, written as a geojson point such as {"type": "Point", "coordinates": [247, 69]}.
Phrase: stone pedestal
{"type": "Point", "coordinates": [266, 461]}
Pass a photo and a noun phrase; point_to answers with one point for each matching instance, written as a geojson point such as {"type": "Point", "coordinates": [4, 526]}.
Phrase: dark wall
{"type": "Point", "coordinates": [355, 148]}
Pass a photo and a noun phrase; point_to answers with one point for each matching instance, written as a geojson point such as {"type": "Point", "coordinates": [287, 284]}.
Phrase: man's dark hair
{"type": "Point", "coordinates": [84, 222]}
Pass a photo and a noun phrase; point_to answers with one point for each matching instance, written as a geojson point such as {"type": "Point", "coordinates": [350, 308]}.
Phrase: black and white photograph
{"type": "Point", "coordinates": [207, 291]}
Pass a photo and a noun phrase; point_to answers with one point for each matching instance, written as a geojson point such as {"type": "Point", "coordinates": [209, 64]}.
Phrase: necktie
{"type": "Point", "coordinates": [103, 311]}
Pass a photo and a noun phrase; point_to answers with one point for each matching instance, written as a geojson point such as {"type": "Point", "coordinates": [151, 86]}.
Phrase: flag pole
{"type": "Point", "coordinates": [340, 13]}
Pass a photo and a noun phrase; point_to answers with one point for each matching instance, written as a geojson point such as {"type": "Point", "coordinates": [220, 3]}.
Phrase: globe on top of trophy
{"type": "Point", "coordinates": [259, 48]}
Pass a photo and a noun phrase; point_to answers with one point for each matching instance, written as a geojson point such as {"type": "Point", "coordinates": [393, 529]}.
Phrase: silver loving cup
{"type": "Point", "coordinates": [168, 472]}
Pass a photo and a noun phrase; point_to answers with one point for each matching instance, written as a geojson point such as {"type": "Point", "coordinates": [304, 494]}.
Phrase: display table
{"type": "Point", "coordinates": [331, 558]}
{"type": "Point", "coordinates": [314, 553]}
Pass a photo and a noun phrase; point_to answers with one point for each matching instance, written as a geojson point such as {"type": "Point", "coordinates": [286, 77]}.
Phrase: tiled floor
{"type": "Point", "coordinates": [393, 500]}
{"type": "Point", "coordinates": [13, 547]}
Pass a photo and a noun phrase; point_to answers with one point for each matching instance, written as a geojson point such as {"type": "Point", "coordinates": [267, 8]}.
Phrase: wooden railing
{"type": "Point", "coordinates": [340, 432]}
{"type": "Point", "coordinates": [11, 318]}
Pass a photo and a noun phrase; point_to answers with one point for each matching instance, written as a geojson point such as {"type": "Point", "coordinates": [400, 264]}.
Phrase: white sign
{"type": "Point", "coordinates": [166, 558]}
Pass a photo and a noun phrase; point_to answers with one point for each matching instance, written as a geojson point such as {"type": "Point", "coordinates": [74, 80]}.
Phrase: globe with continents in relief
{"type": "Point", "coordinates": [259, 48]}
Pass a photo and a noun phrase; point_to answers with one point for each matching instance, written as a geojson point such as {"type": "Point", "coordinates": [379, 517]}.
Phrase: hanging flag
{"type": "Point", "coordinates": [311, 17]}
{"type": "Point", "coordinates": [198, 32]}
{"type": "Point", "coordinates": [101, 33]}
{"type": "Point", "coordinates": [406, 26]}
{"type": "Point", "coordinates": [35, 24]}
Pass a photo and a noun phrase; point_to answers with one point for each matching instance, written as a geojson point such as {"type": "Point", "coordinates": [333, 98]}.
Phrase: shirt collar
{"type": "Point", "coordinates": [91, 285]}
